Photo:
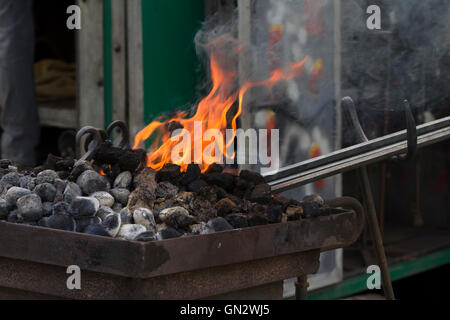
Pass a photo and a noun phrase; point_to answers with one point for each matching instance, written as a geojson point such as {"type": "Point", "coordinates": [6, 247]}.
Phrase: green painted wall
{"type": "Point", "coordinates": [171, 67]}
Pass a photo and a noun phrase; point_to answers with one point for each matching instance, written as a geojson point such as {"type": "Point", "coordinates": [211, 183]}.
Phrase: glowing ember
{"type": "Point", "coordinates": [211, 113]}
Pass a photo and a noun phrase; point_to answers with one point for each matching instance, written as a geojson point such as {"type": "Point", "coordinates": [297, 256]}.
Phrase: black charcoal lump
{"type": "Point", "coordinates": [125, 216]}
{"type": "Point", "coordinates": [146, 236]}
{"type": "Point", "coordinates": [112, 224]}
{"type": "Point", "coordinates": [177, 217]}
{"type": "Point", "coordinates": [46, 191]}
{"type": "Point", "coordinates": [71, 191]}
{"type": "Point", "coordinates": [47, 208]}
{"type": "Point", "coordinates": [168, 233]}
{"type": "Point", "coordinates": [61, 222]}
{"type": "Point", "coordinates": [83, 222]}
{"type": "Point", "coordinates": [3, 209]}
{"type": "Point", "coordinates": [96, 229]}
{"type": "Point", "coordinates": [78, 168]}
{"type": "Point", "coordinates": [218, 224]}
{"type": "Point", "coordinates": [84, 206]}
{"type": "Point", "coordinates": [103, 212]}
{"type": "Point", "coordinates": [130, 231]}
{"type": "Point", "coordinates": [61, 208]}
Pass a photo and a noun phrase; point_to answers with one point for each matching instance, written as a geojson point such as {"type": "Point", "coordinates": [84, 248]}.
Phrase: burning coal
{"type": "Point", "coordinates": [203, 138]}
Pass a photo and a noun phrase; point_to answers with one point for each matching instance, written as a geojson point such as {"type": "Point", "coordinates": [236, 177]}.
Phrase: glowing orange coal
{"type": "Point", "coordinates": [211, 113]}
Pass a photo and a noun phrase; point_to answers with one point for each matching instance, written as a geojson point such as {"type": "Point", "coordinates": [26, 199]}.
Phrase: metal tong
{"type": "Point", "coordinates": [371, 215]}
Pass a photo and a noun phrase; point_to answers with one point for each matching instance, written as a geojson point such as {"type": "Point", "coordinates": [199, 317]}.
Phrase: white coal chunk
{"type": "Point", "coordinates": [123, 180]}
{"type": "Point", "coordinates": [25, 181]}
{"type": "Point", "coordinates": [91, 182]}
{"type": "Point", "coordinates": [199, 228]}
{"type": "Point", "coordinates": [46, 176]}
{"type": "Point", "coordinates": [84, 206]}
{"type": "Point", "coordinates": [14, 194]}
{"type": "Point", "coordinates": [11, 179]}
{"type": "Point", "coordinates": [105, 199]}
{"type": "Point", "coordinates": [112, 224]}
{"type": "Point", "coordinates": [71, 191]}
{"type": "Point", "coordinates": [30, 207]}
{"type": "Point", "coordinates": [103, 212]}
{"type": "Point", "coordinates": [121, 195]}
{"type": "Point", "coordinates": [4, 211]}
{"type": "Point", "coordinates": [46, 191]}
{"type": "Point", "coordinates": [146, 236]}
{"type": "Point", "coordinates": [177, 217]}
{"type": "Point", "coordinates": [130, 231]}
{"type": "Point", "coordinates": [144, 217]}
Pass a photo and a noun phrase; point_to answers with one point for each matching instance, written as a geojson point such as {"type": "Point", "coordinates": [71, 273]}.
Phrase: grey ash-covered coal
{"type": "Point", "coordinates": [140, 203]}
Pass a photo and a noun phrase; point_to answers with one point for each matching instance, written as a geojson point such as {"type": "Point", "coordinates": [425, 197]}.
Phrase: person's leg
{"type": "Point", "coordinates": [19, 119]}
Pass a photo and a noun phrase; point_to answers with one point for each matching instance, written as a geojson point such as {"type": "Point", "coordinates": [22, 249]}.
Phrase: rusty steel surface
{"type": "Point", "coordinates": [28, 278]}
{"type": "Point", "coordinates": [144, 260]}
{"type": "Point", "coordinates": [33, 260]}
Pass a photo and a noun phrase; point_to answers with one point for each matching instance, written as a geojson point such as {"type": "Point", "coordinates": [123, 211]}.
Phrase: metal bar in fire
{"type": "Point", "coordinates": [356, 156]}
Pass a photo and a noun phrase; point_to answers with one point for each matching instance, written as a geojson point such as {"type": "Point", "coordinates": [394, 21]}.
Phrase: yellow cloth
{"type": "Point", "coordinates": [54, 80]}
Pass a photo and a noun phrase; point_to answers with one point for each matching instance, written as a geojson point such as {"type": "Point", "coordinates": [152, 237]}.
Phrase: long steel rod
{"type": "Point", "coordinates": [356, 157]}
{"type": "Point", "coordinates": [364, 147]}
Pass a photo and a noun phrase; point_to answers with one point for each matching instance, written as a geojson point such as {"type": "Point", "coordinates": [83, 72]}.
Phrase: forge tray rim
{"type": "Point", "coordinates": [145, 243]}
{"type": "Point", "coordinates": [143, 260]}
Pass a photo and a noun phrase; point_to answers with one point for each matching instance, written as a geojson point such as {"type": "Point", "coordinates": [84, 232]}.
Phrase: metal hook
{"type": "Point", "coordinates": [90, 138]}
{"type": "Point", "coordinates": [349, 106]}
{"type": "Point", "coordinates": [411, 135]}
{"type": "Point", "coordinates": [372, 221]}
{"type": "Point", "coordinates": [125, 142]}
{"type": "Point", "coordinates": [92, 148]}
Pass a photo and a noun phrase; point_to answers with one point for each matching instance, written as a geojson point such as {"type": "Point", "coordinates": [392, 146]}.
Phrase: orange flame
{"type": "Point", "coordinates": [212, 114]}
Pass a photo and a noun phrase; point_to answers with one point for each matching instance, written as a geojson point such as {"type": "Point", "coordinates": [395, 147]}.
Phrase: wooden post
{"type": "Point", "coordinates": [119, 51]}
{"type": "Point", "coordinates": [135, 74]}
{"type": "Point", "coordinates": [90, 68]}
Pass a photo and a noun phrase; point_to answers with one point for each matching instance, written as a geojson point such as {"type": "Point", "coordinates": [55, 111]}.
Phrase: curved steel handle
{"type": "Point", "coordinates": [125, 142]}
{"type": "Point", "coordinates": [349, 203]}
{"type": "Point", "coordinates": [411, 129]}
{"type": "Point", "coordinates": [411, 134]}
{"type": "Point", "coordinates": [92, 147]}
{"type": "Point", "coordinates": [349, 106]}
{"type": "Point", "coordinates": [91, 138]}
